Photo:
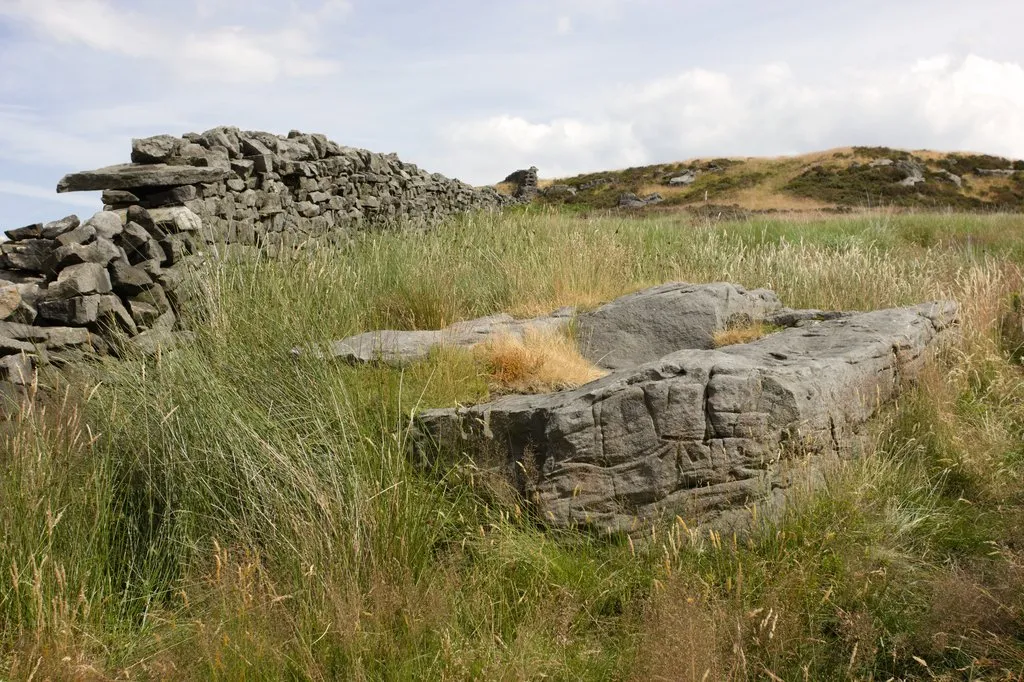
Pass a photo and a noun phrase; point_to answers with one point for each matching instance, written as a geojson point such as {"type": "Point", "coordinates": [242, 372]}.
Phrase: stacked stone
{"type": "Point", "coordinates": [262, 189]}
{"type": "Point", "coordinates": [525, 182]}
{"type": "Point", "coordinates": [69, 289]}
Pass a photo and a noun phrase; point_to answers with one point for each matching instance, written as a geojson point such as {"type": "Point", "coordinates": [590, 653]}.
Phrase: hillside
{"type": "Point", "coordinates": [834, 180]}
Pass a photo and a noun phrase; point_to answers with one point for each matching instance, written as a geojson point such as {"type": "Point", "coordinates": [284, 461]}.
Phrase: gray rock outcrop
{"type": "Point", "coordinates": [631, 200]}
{"type": "Point", "coordinates": [704, 434]}
{"type": "Point", "coordinates": [559, 191]}
{"type": "Point", "coordinates": [396, 347]}
{"type": "Point", "coordinates": [913, 172]}
{"type": "Point", "coordinates": [952, 177]}
{"type": "Point", "coordinates": [652, 323]}
{"type": "Point", "coordinates": [996, 172]}
{"type": "Point", "coordinates": [684, 179]}
{"type": "Point", "coordinates": [629, 331]}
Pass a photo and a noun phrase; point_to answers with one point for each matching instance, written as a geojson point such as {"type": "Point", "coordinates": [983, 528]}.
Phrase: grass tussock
{"type": "Point", "coordinates": [542, 361]}
{"type": "Point", "coordinates": [227, 511]}
{"type": "Point", "coordinates": [733, 335]}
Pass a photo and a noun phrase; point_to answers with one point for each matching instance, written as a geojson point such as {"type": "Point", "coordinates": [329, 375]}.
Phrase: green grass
{"type": "Point", "coordinates": [226, 511]}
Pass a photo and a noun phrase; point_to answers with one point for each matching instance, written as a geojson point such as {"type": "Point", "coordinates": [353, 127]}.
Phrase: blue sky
{"type": "Point", "coordinates": [475, 90]}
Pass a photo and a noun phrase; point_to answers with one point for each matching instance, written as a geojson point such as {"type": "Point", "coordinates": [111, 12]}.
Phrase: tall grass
{"type": "Point", "coordinates": [227, 510]}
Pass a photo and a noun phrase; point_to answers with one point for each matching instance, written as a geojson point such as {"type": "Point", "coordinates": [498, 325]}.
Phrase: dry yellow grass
{"type": "Point", "coordinates": [768, 193]}
{"type": "Point", "coordinates": [745, 334]}
{"type": "Point", "coordinates": [980, 185]}
{"type": "Point", "coordinates": [765, 198]}
{"type": "Point", "coordinates": [506, 188]}
{"type": "Point", "coordinates": [540, 362]}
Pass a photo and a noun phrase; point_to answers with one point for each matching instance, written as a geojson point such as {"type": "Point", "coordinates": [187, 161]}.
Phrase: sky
{"type": "Point", "coordinates": [477, 89]}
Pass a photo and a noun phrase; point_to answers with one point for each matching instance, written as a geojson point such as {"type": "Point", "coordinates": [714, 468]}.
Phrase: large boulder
{"type": "Point", "coordinates": [704, 434]}
{"type": "Point", "coordinates": [631, 330]}
{"type": "Point", "coordinates": [652, 323]}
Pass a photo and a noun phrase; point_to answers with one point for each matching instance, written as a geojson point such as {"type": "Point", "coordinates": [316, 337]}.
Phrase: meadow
{"type": "Point", "coordinates": [227, 511]}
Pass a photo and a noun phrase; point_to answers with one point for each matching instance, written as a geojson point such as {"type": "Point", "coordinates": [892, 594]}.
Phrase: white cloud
{"type": "Point", "coordinates": [93, 23]}
{"type": "Point", "coordinates": [226, 54]}
{"type": "Point", "coordinates": [564, 25]}
{"type": "Point", "coordinates": [29, 138]}
{"type": "Point", "coordinates": [972, 103]}
{"type": "Point", "coordinates": [489, 149]}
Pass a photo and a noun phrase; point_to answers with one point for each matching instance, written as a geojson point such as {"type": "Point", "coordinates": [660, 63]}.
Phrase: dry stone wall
{"type": "Point", "coordinates": [70, 290]}
{"type": "Point", "coordinates": [262, 189]}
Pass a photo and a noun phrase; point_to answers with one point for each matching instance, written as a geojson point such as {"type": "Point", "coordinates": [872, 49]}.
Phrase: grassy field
{"type": "Point", "coordinates": [226, 511]}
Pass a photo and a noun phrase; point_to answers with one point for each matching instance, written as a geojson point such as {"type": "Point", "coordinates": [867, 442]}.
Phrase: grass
{"type": "Point", "coordinates": [226, 511]}
{"type": "Point", "coordinates": [542, 361]}
{"type": "Point", "coordinates": [741, 334]}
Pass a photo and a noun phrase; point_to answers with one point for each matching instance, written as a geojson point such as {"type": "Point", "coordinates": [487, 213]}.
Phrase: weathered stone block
{"type": "Point", "coordinates": [144, 314]}
{"type": "Point", "coordinates": [119, 197]}
{"type": "Point", "coordinates": [83, 234]}
{"type": "Point", "coordinates": [30, 255]}
{"type": "Point", "coordinates": [130, 176]}
{"type": "Point", "coordinates": [10, 300]}
{"type": "Point", "coordinates": [176, 219]}
{"type": "Point", "coordinates": [33, 231]}
{"type": "Point", "coordinates": [99, 251]}
{"type": "Point", "coordinates": [77, 311]}
{"type": "Point", "coordinates": [171, 197]}
{"type": "Point", "coordinates": [54, 229]}
{"type": "Point", "coordinates": [106, 224]}
{"type": "Point", "coordinates": [156, 149]}
{"type": "Point", "coordinates": [79, 280]}
{"type": "Point", "coordinates": [19, 369]}
{"type": "Point", "coordinates": [128, 279]}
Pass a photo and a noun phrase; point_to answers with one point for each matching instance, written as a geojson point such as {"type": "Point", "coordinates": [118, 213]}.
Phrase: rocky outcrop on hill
{"type": "Point", "coordinates": [257, 188]}
{"type": "Point", "coordinates": [704, 434]}
{"type": "Point", "coordinates": [631, 200]}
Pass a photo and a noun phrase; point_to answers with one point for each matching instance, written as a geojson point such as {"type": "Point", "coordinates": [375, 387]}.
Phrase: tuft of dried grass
{"type": "Point", "coordinates": [505, 188]}
{"type": "Point", "coordinates": [730, 336]}
{"type": "Point", "coordinates": [684, 636]}
{"type": "Point", "coordinates": [542, 361]}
